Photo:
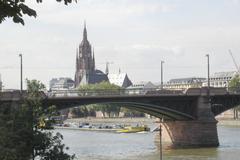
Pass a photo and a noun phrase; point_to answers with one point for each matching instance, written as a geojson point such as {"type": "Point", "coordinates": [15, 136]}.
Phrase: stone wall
{"type": "Point", "coordinates": [190, 134]}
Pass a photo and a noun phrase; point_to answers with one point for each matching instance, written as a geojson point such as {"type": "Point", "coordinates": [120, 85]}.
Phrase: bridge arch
{"type": "Point", "coordinates": [192, 112]}
{"type": "Point", "coordinates": [170, 108]}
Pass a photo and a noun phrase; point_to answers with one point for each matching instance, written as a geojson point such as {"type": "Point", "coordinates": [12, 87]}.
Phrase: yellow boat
{"type": "Point", "coordinates": [130, 129]}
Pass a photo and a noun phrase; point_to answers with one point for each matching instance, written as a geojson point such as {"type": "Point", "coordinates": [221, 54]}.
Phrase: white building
{"type": "Point", "coordinates": [221, 79]}
{"type": "Point", "coordinates": [120, 79]}
{"type": "Point", "coordinates": [141, 88]}
{"type": "Point", "coordinates": [62, 83]}
{"type": "Point", "coordinates": [184, 83]}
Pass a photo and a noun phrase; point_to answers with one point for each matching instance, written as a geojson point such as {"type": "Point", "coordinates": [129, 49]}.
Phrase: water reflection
{"type": "Point", "coordinates": [135, 146]}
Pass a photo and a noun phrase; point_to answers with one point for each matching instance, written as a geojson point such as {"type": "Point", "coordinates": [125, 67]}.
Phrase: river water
{"type": "Point", "coordinates": [90, 145]}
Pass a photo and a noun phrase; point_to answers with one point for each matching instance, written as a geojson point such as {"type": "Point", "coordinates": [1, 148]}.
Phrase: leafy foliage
{"type": "Point", "coordinates": [106, 86]}
{"type": "Point", "coordinates": [15, 133]}
{"type": "Point", "coordinates": [103, 88]}
{"type": "Point", "coordinates": [15, 9]}
{"type": "Point", "coordinates": [46, 146]}
{"type": "Point", "coordinates": [132, 113]}
{"type": "Point", "coordinates": [234, 84]}
{"type": "Point", "coordinates": [25, 129]}
{"type": "Point", "coordinates": [83, 111]}
{"type": "Point", "coordinates": [107, 109]}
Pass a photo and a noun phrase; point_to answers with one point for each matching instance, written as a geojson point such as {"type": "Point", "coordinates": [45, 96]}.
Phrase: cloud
{"type": "Point", "coordinates": [99, 11]}
{"type": "Point", "coordinates": [135, 35]}
{"type": "Point", "coordinates": [236, 2]}
{"type": "Point", "coordinates": [174, 50]}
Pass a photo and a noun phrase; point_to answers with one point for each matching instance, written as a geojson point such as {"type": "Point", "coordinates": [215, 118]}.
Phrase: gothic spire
{"type": "Point", "coordinates": [93, 60]}
{"type": "Point", "coordinates": [77, 59]}
{"type": "Point", "coordinates": [107, 69]}
{"type": "Point", "coordinates": [77, 53]}
{"type": "Point", "coordinates": [84, 32]}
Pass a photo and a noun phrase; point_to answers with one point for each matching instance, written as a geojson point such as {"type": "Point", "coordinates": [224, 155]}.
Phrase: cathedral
{"type": "Point", "coordinates": [86, 73]}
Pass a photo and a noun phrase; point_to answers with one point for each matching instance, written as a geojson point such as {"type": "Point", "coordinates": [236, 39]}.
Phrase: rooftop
{"type": "Point", "coordinates": [187, 80]}
{"type": "Point", "coordinates": [223, 74]}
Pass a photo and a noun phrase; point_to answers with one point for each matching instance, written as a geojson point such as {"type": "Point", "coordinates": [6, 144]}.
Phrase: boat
{"type": "Point", "coordinates": [130, 129]}
{"type": "Point", "coordinates": [85, 125]}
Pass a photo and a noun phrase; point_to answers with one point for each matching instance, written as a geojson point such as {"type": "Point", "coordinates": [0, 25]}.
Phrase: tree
{"type": "Point", "coordinates": [15, 9]}
{"type": "Point", "coordinates": [234, 86]}
{"type": "Point", "coordinates": [46, 146]}
{"type": "Point", "coordinates": [132, 113]}
{"type": "Point", "coordinates": [103, 88]}
{"type": "Point", "coordinates": [15, 133]}
{"type": "Point", "coordinates": [77, 112]}
{"type": "Point", "coordinates": [26, 129]}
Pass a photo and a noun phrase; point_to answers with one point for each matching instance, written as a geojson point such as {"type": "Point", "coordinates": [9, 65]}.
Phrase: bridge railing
{"type": "Point", "coordinates": [234, 90]}
{"type": "Point", "coordinates": [98, 92]}
{"type": "Point", "coordinates": [111, 92]}
{"type": "Point", "coordinates": [145, 91]}
{"type": "Point", "coordinates": [9, 94]}
{"type": "Point", "coordinates": [130, 92]}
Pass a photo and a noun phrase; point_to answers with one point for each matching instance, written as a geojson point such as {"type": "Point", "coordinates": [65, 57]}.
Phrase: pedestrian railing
{"type": "Point", "coordinates": [110, 92]}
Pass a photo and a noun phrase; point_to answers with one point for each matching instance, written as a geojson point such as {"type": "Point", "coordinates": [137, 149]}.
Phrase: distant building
{"type": "Point", "coordinates": [61, 84]}
{"type": "Point", "coordinates": [184, 83]}
{"type": "Point", "coordinates": [141, 88]}
{"type": "Point", "coordinates": [221, 79]}
{"type": "Point", "coordinates": [120, 79]}
{"type": "Point", "coordinates": [93, 77]}
{"type": "Point", "coordinates": [85, 64]}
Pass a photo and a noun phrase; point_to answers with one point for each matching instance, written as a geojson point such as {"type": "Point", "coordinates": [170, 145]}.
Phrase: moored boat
{"type": "Point", "coordinates": [130, 129]}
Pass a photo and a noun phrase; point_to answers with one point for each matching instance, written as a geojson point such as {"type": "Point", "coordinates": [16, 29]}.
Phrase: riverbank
{"type": "Point", "coordinates": [107, 124]}
{"type": "Point", "coordinates": [142, 120]}
{"type": "Point", "coordinates": [88, 129]}
{"type": "Point", "coordinates": [228, 122]}
{"type": "Point", "coordinates": [94, 120]}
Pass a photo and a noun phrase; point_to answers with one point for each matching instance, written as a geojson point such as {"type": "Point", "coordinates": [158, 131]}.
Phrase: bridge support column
{"type": "Point", "coordinates": [201, 132]}
{"type": "Point", "coordinates": [191, 134]}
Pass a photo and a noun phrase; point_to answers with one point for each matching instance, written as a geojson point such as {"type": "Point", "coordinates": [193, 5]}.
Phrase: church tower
{"type": "Point", "coordinates": [85, 62]}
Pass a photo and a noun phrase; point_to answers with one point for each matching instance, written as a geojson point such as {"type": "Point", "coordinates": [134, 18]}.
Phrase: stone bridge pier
{"type": "Point", "coordinates": [201, 132]}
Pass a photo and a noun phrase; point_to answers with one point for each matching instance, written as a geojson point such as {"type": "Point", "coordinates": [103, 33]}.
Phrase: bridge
{"type": "Point", "coordinates": [189, 116]}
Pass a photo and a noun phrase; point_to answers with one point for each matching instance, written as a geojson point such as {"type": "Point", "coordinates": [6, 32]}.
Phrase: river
{"type": "Point", "coordinates": [90, 145]}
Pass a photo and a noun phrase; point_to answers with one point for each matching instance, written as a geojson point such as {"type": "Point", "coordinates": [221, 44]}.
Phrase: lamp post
{"type": "Point", "coordinates": [21, 80]}
{"type": "Point", "coordinates": [208, 78]}
{"type": "Point", "coordinates": [162, 74]}
{"type": "Point", "coordinates": [160, 138]}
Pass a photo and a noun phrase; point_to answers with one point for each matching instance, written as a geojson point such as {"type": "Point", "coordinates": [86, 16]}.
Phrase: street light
{"type": "Point", "coordinates": [21, 81]}
{"type": "Point", "coordinates": [208, 78]}
{"type": "Point", "coordinates": [160, 138]}
{"type": "Point", "coordinates": [162, 74]}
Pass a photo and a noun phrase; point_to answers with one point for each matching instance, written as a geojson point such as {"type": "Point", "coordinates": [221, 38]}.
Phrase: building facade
{"type": "Point", "coordinates": [120, 79]}
{"type": "Point", "coordinates": [184, 83]}
{"type": "Point", "coordinates": [141, 88]}
{"type": "Point", "coordinates": [221, 79]}
{"type": "Point", "coordinates": [62, 83]}
{"type": "Point", "coordinates": [85, 64]}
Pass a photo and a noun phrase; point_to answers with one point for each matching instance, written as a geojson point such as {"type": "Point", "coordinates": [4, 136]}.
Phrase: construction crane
{"type": "Point", "coordinates": [234, 61]}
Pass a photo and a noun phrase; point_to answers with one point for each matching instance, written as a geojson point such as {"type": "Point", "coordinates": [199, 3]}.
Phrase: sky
{"type": "Point", "coordinates": [134, 35]}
